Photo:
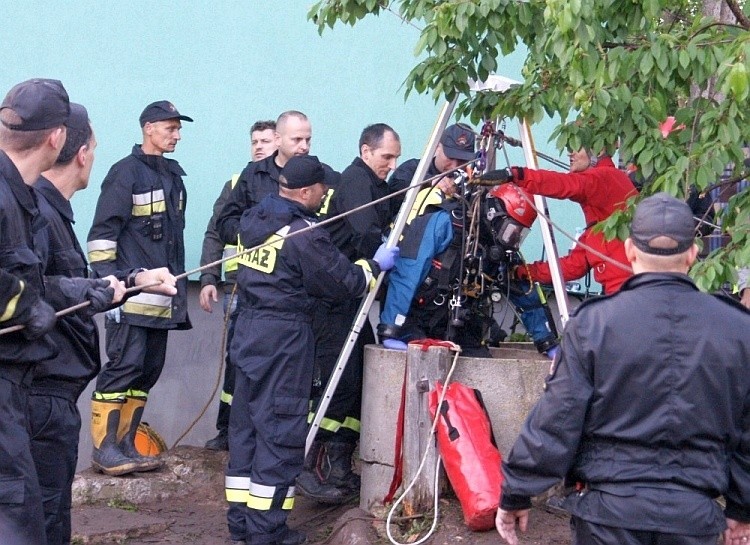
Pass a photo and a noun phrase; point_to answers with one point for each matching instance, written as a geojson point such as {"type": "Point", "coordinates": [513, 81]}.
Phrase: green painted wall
{"type": "Point", "coordinates": [226, 64]}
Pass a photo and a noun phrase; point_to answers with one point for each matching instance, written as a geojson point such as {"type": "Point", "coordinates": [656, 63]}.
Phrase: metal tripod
{"type": "Point", "coordinates": [495, 83]}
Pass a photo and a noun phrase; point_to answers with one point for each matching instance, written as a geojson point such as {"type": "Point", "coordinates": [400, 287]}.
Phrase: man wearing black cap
{"type": "Point", "coordinates": [455, 148]}
{"type": "Point", "coordinates": [32, 132]}
{"type": "Point", "coordinates": [54, 418]}
{"type": "Point", "coordinates": [279, 286]}
{"type": "Point", "coordinates": [646, 409]}
{"type": "Point", "coordinates": [139, 223]}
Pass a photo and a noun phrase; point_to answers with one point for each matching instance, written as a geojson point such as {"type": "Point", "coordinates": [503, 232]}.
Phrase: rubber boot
{"type": "Point", "coordinates": [220, 442]}
{"type": "Point", "coordinates": [340, 461]}
{"type": "Point", "coordinates": [107, 457]}
{"type": "Point", "coordinates": [292, 537]}
{"type": "Point", "coordinates": [132, 412]}
{"type": "Point", "coordinates": [310, 482]}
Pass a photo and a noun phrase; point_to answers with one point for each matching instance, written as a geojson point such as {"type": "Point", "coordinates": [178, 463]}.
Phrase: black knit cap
{"type": "Point", "coordinates": [40, 103]}
{"type": "Point", "coordinates": [161, 111]}
{"type": "Point", "coordinates": [302, 171]}
{"type": "Point", "coordinates": [661, 215]}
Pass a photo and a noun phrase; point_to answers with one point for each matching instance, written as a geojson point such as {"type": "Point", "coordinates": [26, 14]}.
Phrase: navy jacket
{"type": "Point", "coordinates": [23, 240]}
{"type": "Point", "coordinates": [649, 406]}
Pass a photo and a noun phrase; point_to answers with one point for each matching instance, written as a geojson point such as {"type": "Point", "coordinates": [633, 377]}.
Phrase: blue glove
{"type": "Point", "coordinates": [385, 257]}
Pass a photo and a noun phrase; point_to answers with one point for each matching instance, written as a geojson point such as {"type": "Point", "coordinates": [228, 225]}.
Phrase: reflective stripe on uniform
{"type": "Point", "coordinates": [149, 304]}
{"type": "Point", "coordinates": [323, 210]}
{"type": "Point", "coordinates": [229, 252]}
{"type": "Point", "coordinates": [333, 426]}
{"type": "Point", "coordinates": [10, 308]}
{"type": "Point", "coordinates": [370, 279]}
{"type": "Point", "coordinates": [225, 397]}
{"type": "Point", "coordinates": [261, 497]}
{"type": "Point", "coordinates": [145, 204]}
{"type": "Point", "coordinates": [101, 250]}
{"type": "Point", "coordinates": [137, 393]}
{"type": "Point", "coordinates": [236, 488]}
{"type": "Point", "coordinates": [114, 396]}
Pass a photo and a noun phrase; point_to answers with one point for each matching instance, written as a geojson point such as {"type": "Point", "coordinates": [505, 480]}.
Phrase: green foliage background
{"type": "Point", "coordinates": [613, 71]}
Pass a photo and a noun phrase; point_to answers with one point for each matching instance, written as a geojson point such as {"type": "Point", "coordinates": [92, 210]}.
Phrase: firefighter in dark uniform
{"type": "Point", "coordinates": [54, 418]}
{"type": "Point", "coordinates": [328, 475]}
{"type": "Point", "coordinates": [258, 180]}
{"type": "Point", "coordinates": [647, 405]}
{"type": "Point", "coordinates": [262, 144]}
{"type": "Point", "coordinates": [139, 222]}
{"type": "Point", "coordinates": [273, 348]}
{"type": "Point", "coordinates": [32, 133]}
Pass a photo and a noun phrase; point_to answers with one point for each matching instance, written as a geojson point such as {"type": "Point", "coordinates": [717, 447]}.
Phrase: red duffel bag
{"type": "Point", "coordinates": [469, 453]}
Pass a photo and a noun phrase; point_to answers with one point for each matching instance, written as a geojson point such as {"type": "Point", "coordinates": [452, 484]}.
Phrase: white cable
{"type": "Point", "coordinates": [457, 349]}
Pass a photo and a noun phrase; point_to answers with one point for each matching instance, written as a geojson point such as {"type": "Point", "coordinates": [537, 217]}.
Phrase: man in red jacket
{"type": "Point", "coordinates": [601, 189]}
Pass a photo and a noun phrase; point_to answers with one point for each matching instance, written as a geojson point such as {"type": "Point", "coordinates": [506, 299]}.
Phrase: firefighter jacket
{"type": "Point", "coordinates": [139, 222]}
{"type": "Point", "coordinates": [258, 179]}
{"type": "Point", "coordinates": [23, 238]}
{"type": "Point", "coordinates": [286, 277]}
{"type": "Point", "coordinates": [360, 234]}
{"type": "Point", "coordinates": [600, 191]}
{"type": "Point", "coordinates": [76, 334]}
{"type": "Point", "coordinates": [647, 406]}
{"type": "Point", "coordinates": [214, 249]}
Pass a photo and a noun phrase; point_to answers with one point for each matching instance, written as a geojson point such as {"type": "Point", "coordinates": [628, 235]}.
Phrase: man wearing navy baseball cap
{"type": "Point", "coordinates": [139, 223]}
{"type": "Point", "coordinates": [32, 133]}
{"type": "Point", "coordinates": [653, 386]}
{"type": "Point", "coordinates": [280, 281]}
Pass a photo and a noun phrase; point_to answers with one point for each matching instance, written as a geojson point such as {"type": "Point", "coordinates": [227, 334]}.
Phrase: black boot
{"type": "Point", "coordinates": [340, 460]}
{"type": "Point", "coordinates": [310, 482]}
{"type": "Point", "coordinates": [220, 442]}
{"type": "Point", "coordinates": [292, 537]}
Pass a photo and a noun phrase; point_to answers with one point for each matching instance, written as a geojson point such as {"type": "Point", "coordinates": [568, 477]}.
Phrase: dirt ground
{"type": "Point", "coordinates": [201, 521]}
{"type": "Point", "coordinates": [191, 511]}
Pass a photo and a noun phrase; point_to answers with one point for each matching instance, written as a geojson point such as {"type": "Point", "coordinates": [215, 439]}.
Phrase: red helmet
{"type": "Point", "coordinates": [508, 215]}
{"type": "Point", "coordinates": [515, 202]}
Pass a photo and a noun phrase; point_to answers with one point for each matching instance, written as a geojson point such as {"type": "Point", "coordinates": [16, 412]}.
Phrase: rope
{"type": "Point", "coordinates": [222, 360]}
{"type": "Point", "coordinates": [426, 343]}
{"type": "Point", "coordinates": [326, 221]}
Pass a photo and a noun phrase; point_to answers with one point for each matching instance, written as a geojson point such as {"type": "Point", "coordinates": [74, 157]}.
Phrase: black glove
{"type": "Point", "coordinates": [100, 295]}
{"type": "Point", "coordinates": [41, 320]}
{"type": "Point", "coordinates": [501, 176]}
{"type": "Point", "coordinates": [95, 290]}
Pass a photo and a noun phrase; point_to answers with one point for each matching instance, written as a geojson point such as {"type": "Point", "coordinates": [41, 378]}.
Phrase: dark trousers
{"type": "Point", "coordinates": [589, 533]}
{"type": "Point", "coordinates": [227, 389]}
{"type": "Point", "coordinates": [268, 422]}
{"type": "Point", "coordinates": [21, 512]}
{"type": "Point", "coordinates": [136, 358]}
{"type": "Point", "coordinates": [55, 427]}
{"type": "Point", "coordinates": [331, 324]}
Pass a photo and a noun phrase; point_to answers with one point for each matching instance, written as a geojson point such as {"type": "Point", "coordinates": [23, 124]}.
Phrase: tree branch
{"type": "Point", "coordinates": [739, 15]}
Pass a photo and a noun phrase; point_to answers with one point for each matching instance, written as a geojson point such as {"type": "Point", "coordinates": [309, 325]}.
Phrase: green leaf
{"type": "Point", "coordinates": [737, 80]}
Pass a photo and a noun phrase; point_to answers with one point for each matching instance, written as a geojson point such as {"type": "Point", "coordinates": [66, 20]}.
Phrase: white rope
{"type": "Point", "coordinates": [401, 498]}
